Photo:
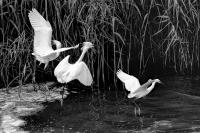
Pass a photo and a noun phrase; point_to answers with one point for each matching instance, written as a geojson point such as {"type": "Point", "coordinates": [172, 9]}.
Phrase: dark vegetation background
{"type": "Point", "coordinates": [145, 38]}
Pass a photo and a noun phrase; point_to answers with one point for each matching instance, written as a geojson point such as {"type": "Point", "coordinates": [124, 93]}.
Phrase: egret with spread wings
{"type": "Point", "coordinates": [132, 84]}
{"type": "Point", "coordinates": [66, 72]}
{"type": "Point", "coordinates": [43, 50]}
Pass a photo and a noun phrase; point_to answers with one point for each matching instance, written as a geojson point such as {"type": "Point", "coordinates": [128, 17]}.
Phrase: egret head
{"type": "Point", "coordinates": [87, 45]}
{"type": "Point", "coordinates": [157, 81]}
{"type": "Point", "coordinates": [57, 43]}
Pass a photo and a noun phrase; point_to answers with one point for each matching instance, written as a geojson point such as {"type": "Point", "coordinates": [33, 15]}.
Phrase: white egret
{"type": "Point", "coordinates": [132, 84]}
{"type": "Point", "coordinates": [42, 39]}
{"type": "Point", "coordinates": [137, 91]}
{"type": "Point", "coordinates": [66, 72]}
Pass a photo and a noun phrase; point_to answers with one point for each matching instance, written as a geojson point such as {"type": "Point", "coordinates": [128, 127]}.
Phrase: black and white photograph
{"type": "Point", "coordinates": [100, 66]}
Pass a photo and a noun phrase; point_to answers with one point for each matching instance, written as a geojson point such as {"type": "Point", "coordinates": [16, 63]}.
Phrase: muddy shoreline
{"type": "Point", "coordinates": [25, 100]}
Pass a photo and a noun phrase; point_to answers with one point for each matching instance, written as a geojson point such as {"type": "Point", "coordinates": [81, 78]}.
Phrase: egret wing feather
{"type": "Point", "coordinates": [37, 21]}
{"type": "Point", "coordinates": [80, 72]}
{"type": "Point", "coordinates": [131, 82]}
{"type": "Point", "coordinates": [42, 30]}
{"type": "Point", "coordinates": [123, 76]}
{"type": "Point", "coordinates": [85, 76]}
{"type": "Point", "coordinates": [62, 67]}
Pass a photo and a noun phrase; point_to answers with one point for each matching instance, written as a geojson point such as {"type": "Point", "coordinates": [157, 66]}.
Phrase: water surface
{"type": "Point", "coordinates": [173, 107]}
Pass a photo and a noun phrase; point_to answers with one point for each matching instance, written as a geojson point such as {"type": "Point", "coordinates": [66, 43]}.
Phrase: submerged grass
{"type": "Point", "coordinates": [128, 34]}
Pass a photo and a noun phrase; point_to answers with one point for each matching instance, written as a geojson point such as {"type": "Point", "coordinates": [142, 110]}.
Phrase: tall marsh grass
{"type": "Point", "coordinates": [129, 34]}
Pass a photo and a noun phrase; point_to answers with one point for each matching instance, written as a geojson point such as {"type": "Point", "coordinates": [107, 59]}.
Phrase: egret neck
{"type": "Point", "coordinates": [151, 87]}
{"type": "Point", "coordinates": [82, 55]}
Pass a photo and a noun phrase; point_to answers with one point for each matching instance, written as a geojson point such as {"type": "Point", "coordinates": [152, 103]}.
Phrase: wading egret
{"type": "Point", "coordinates": [42, 39]}
{"type": "Point", "coordinates": [66, 72]}
{"type": "Point", "coordinates": [132, 84]}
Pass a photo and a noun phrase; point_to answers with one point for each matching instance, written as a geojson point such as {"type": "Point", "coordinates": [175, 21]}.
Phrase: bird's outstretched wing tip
{"type": "Point", "coordinates": [32, 10]}
{"type": "Point", "coordinates": [118, 71]}
{"type": "Point", "coordinates": [29, 13]}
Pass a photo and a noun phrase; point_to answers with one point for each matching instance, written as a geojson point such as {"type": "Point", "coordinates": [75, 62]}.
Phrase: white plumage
{"type": "Point", "coordinates": [66, 72]}
{"type": "Point", "coordinates": [42, 39]}
{"type": "Point", "coordinates": [132, 84]}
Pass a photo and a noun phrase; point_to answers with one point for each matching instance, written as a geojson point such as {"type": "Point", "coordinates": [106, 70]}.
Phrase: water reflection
{"type": "Point", "coordinates": [172, 108]}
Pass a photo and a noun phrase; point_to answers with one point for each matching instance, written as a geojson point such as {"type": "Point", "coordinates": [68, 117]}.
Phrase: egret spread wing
{"type": "Point", "coordinates": [123, 76]}
{"type": "Point", "coordinates": [85, 76]}
{"type": "Point", "coordinates": [131, 82]}
{"type": "Point", "coordinates": [143, 90]}
{"type": "Point", "coordinates": [80, 72]}
{"type": "Point", "coordinates": [42, 29]}
{"type": "Point", "coordinates": [62, 67]}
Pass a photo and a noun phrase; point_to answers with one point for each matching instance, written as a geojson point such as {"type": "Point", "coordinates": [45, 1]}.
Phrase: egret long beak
{"type": "Point", "coordinates": [161, 82]}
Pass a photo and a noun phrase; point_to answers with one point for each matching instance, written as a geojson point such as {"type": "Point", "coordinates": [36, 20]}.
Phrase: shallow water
{"type": "Point", "coordinates": [173, 107]}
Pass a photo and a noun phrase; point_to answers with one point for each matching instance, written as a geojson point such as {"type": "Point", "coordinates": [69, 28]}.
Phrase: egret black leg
{"type": "Point", "coordinates": [61, 100]}
{"type": "Point", "coordinates": [62, 92]}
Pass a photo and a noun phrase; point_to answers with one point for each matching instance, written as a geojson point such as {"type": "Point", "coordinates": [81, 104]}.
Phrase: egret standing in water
{"type": "Point", "coordinates": [133, 85]}
{"type": "Point", "coordinates": [66, 72]}
{"type": "Point", "coordinates": [42, 39]}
